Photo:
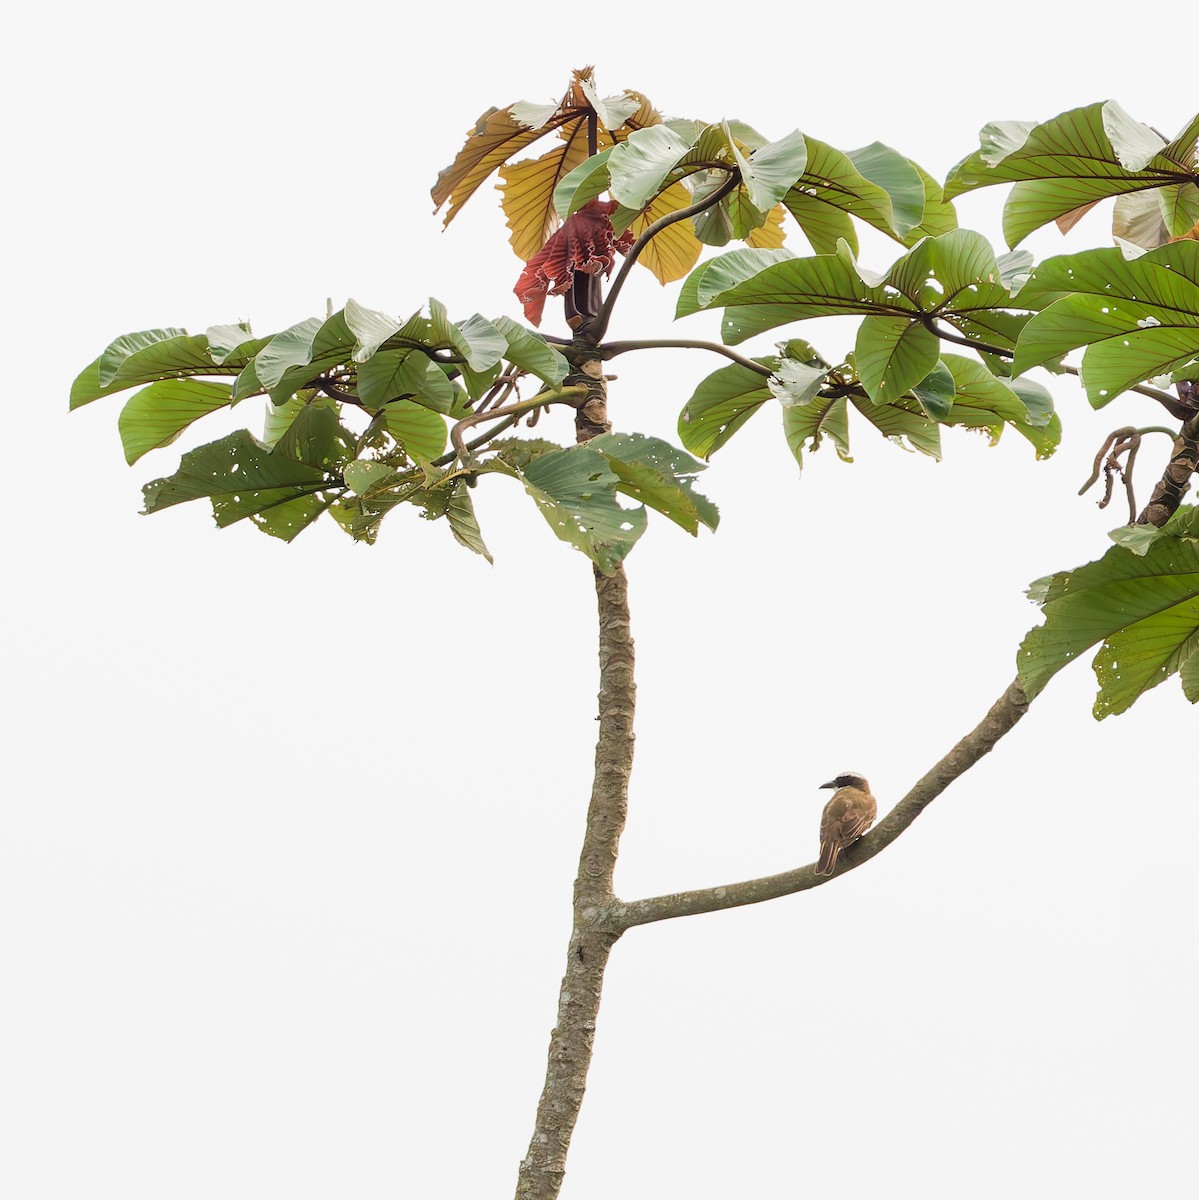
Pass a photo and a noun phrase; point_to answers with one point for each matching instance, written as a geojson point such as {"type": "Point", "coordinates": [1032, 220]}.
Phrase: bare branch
{"type": "Point", "coordinates": [1001, 718]}
{"type": "Point", "coordinates": [612, 349]}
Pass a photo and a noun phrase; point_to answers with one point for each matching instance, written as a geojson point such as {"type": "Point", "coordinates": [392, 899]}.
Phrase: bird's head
{"type": "Point", "coordinates": [849, 779]}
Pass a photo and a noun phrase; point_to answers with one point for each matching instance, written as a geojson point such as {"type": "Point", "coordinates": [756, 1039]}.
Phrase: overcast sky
{"type": "Point", "coordinates": [288, 832]}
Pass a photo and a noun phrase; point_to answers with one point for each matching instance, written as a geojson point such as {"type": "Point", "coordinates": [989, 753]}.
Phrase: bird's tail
{"type": "Point", "coordinates": [828, 858]}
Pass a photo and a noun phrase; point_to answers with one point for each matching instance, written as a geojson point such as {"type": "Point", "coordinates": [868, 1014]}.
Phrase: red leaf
{"type": "Point", "coordinates": [585, 243]}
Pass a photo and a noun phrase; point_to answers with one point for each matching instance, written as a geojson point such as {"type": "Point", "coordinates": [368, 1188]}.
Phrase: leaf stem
{"type": "Point", "coordinates": [597, 328]}
{"type": "Point", "coordinates": [566, 395]}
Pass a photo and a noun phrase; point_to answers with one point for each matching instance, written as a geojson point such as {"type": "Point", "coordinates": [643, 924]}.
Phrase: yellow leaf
{"type": "Point", "coordinates": [494, 140]}
{"type": "Point", "coordinates": [674, 251]}
{"type": "Point", "coordinates": [769, 236]}
{"type": "Point", "coordinates": [528, 190]}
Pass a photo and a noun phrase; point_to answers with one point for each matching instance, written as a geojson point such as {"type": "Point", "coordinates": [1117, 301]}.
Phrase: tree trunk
{"type": "Point", "coordinates": [593, 934]}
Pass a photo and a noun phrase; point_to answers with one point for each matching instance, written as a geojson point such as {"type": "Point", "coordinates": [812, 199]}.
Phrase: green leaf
{"type": "Point", "coordinates": [363, 477]}
{"type": "Point", "coordinates": [823, 224]}
{"type": "Point", "coordinates": [904, 424]}
{"type": "Point", "coordinates": [639, 167]}
{"type": "Point", "coordinates": [796, 382]}
{"type": "Point", "coordinates": [464, 525]}
{"type": "Point", "coordinates": [1138, 318]}
{"type": "Point", "coordinates": [422, 433]}
{"type": "Point", "coordinates": [719, 274]}
{"type": "Point", "coordinates": [291, 348]}
{"type": "Point", "coordinates": [806, 425]}
{"type": "Point", "coordinates": [899, 178]}
{"type": "Point", "coordinates": [721, 404]}
{"type": "Point", "coordinates": [158, 414]}
{"type": "Point", "coordinates": [939, 214]}
{"type": "Point", "coordinates": [576, 493]}
{"type": "Point", "coordinates": [893, 354]}
{"type": "Point", "coordinates": [397, 374]}
{"type": "Point", "coordinates": [983, 401]}
{"type": "Point", "coordinates": [369, 327]}
{"type": "Point", "coordinates": [770, 172]}
{"type": "Point", "coordinates": [658, 475]}
{"type": "Point", "coordinates": [315, 437]}
{"type": "Point", "coordinates": [532, 353]}
{"type": "Point", "coordinates": [145, 359]}
{"type": "Point", "coordinates": [794, 290]}
{"type": "Point", "coordinates": [1065, 164]}
{"type": "Point", "coordinates": [130, 343]}
{"type": "Point", "coordinates": [936, 392]}
{"type": "Point", "coordinates": [586, 182]}
{"type": "Point", "coordinates": [831, 182]}
{"type": "Point", "coordinates": [1142, 609]}
{"type": "Point", "coordinates": [479, 342]}
{"type": "Point", "coordinates": [230, 468]}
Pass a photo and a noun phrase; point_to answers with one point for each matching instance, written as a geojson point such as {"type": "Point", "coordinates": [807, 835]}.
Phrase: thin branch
{"type": "Point", "coordinates": [1001, 718]}
{"type": "Point", "coordinates": [612, 349]}
{"type": "Point", "coordinates": [562, 396]}
{"type": "Point", "coordinates": [598, 327]}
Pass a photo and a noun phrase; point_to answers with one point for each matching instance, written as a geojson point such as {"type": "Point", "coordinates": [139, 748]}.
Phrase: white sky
{"type": "Point", "coordinates": [288, 833]}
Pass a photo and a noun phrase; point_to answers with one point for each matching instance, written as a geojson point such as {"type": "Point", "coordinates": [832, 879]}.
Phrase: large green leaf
{"type": "Point", "coordinates": [951, 276]}
{"type": "Point", "coordinates": [1073, 160]}
{"type": "Point", "coordinates": [770, 172]}
{"type": "Point", "coordinates": [718, 274]}
{"type": "Point", "coordinates": [721, 404]}
{"type": "Point", "coordinates": [899, 178]}
{"type": "Point", "coordinates": [659, 475]}
{"type": "Point", "coordinates": [145, 358]}
{"type": "Point", "coordinates": [158, 414]}
{"type": "Point", "coordinates": [396, 374]}
{"type": "Point", "coordinates": [575, 490]}
{"type": "Point", "coordinates": [1138, 317]}
{"type": "Point", "coordinates": [479, 342]}
{"type": "Point", "coordinates": [532, 353]}
{"type": "Point", "coordinates": [585, 182]}
{"type": "Point", "coordinates": [1142, 608]}
{"type": "Point", "coordinates": [420, 431]}
{"type": "Point", "coordinates": [641, 165]}
{"type": "Point", "coordinates": [893, 355]}
{"type": "Point", "coordinates": [832, 187]}
{"type": "Point", "coordinates": [233, 468]}
{"type": "Point", "coordinates": [982, 401]}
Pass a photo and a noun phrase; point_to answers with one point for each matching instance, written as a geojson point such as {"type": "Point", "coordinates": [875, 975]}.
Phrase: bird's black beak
{"type": "Point", "coordinates": [831, 783]}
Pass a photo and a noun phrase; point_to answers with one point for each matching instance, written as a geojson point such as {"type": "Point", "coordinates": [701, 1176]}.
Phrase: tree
{"type": "Point", "coordinates": [425, 382]}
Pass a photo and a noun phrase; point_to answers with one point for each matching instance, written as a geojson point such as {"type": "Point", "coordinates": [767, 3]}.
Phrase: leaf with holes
{"type": "Point", "coordinates": [893, 354]}
{"type": "Point", "coordinates": [1071, 161]}
{"type": "Point", "coordinates": [1141, 609]}
{"type": "Point", "coordinates": [659, 475]}
{"type": "Point", "coordinates": [228, 468]}
{"type": "Point", "coordinates": [575, 491]}
{"type": "Point", "coordinates": [1137, 318]}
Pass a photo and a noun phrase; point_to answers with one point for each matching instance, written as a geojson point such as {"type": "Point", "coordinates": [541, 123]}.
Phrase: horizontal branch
{"type": "Point", "coordinates": [612, 349]}
{"type": "Point", "coordinates": [1001, 718]}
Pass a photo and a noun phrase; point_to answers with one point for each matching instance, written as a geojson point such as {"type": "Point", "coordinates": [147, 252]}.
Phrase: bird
{"type": "Point", "coordinates": [847, 816]}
